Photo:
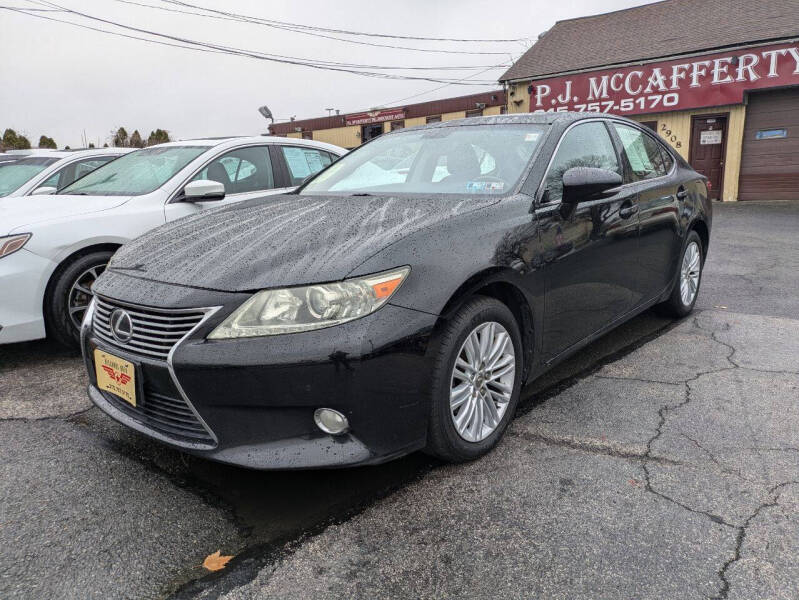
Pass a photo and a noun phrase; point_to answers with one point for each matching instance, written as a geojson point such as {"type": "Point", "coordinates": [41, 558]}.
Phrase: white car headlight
{"type": "Point", "coordinates": [291, 310]}
{"type": "Point", "coordinates": [11, 243]}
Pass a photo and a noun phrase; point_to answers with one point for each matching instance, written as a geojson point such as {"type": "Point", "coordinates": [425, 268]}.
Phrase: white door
{"type": "Point", "coordinates": [245, 172]}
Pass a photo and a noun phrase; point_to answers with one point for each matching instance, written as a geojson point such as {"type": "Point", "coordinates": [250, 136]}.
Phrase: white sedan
{"type": "Point", "coordinates": [34, 172]}
{"type": "Point", "coordinates": [54, 246]}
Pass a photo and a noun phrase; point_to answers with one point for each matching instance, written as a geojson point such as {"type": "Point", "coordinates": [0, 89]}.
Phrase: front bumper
{"type": "Point", "coordinates": [23, 279]}
{"type": "Point", "coordinates": [256, 397]}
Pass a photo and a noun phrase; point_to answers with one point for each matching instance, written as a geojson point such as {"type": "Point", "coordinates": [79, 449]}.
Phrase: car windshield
{"type": "Point", "coordinates": [465, 160]}
{"type": "Point", "coordinates": [15, 174]}
{"type": "Point", "coordinates": [137, 173]}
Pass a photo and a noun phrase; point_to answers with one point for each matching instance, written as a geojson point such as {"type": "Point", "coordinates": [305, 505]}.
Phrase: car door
{"type": "Point", "coordinates": [590, 250]}
{"type": "Point", "coordinates": [246, 172]}
{"type": "Point", "coordinates": [650, 171]}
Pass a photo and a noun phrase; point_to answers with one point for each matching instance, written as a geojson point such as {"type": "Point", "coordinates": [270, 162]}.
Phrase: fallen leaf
{"type": "Point", "coordinates": [216, 561]}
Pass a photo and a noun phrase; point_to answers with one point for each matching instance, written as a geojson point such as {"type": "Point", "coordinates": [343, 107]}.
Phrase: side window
{"type": "Point", "coordinates": [241, 170]}
{"type": "Point", "coordinates": [586, 145]}
{"type": "Point", "coordinates": [303, 162]}
{"type": "Point", "coordinates": [52, 181]}
{"type": "Point", "coordinates": [643, 153]}
{"type": "Point", "coordinates": [75, 171]}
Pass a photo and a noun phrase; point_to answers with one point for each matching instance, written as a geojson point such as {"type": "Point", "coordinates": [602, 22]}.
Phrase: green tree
{"type": "Point", "coordinates": [135, 140]}
{"type": "Point", "coordinates": [66, 147]}
{"type": "Point", "coordinates": [159, 136]}
{"type": "Point", "coordinates": [105, 145]}
{"type": "Point", "coordinates": [23, 143]}
{"type": "Point", "coordinates": [121, 138]}
{"type": "Point", "coordinates": [9, 139]}
{"type": "Point", "coordinates": [47, 142]}
{"type": "Point", "coordinates": [91, 144]}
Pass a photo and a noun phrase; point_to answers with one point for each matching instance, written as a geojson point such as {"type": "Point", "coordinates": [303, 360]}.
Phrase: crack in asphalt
{"type": "Point", "coordinates": [716, 461]}
{"type": "Point", "coordinates": [649, 458]}
{"type": "Point", "coordinates": [594, 447]}
{"type": "Point", "coordinates": [61, 417]}
{"type": "Point", "coordinates": [741, 536]}
{"type": "Point", "coordinates": [639, 379]}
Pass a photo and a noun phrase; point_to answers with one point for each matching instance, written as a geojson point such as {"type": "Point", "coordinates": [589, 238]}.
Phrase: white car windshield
{"type": "Point", "coordinates": [15, 174]}
{"type": "Point", "coordinates": [464, 160]}
{"type": "Point", "coordinates": [137, 173]}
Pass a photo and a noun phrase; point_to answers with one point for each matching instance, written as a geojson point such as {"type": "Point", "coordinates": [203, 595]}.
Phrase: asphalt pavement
{"type": "Point", "coordinates": [661, 461]}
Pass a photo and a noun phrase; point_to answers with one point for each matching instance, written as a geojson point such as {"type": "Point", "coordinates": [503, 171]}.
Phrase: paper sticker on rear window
{"type": "Point", "coordinates": [484, 187]}
{"type": "Point", "coordinates": [532, 137]}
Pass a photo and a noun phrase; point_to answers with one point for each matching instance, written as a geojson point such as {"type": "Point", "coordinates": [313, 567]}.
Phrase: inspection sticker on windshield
{"type": "Point", "coordinates": [485, 187]}
{"type": "Point", "coordinates": [532, 137]}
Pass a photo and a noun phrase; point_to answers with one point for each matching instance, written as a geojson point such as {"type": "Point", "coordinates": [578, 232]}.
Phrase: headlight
{"type": "Point", "coordinates": [11, 243]}
{"type": "Point", "coordinates": [291, 310]}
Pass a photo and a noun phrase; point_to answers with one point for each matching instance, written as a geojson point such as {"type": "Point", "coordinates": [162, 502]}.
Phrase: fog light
{"type": "Point", "coordinates": [331, 421]}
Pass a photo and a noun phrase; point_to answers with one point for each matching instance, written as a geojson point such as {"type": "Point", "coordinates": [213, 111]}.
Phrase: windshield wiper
{"type": "Point", "coordinates": [361, 194]}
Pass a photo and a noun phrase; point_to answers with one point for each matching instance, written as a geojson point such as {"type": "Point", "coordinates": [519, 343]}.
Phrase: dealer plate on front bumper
{"type": "Point", "coordinates": [115, 375]}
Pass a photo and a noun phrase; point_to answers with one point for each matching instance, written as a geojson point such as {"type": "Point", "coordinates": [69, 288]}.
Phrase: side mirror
{"type": "Point", "coordinates": [45, 190]}
{"type": "Point", "coordinates": [203, 190]}
{"type": "Point", "coordinates": [587, 183]}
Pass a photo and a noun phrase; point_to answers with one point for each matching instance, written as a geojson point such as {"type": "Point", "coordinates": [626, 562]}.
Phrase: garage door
{"type": "Point", "coordinates": [770, 160]}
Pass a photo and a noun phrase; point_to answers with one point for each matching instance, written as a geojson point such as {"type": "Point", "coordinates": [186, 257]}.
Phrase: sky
{"type": "Point", "coordinates": [66, 82]}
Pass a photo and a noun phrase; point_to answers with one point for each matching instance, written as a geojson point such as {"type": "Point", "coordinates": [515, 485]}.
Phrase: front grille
{"type": "Point", "coordinates": [155, 331]}
{"type": "Point", "coordinates": [171, 417]}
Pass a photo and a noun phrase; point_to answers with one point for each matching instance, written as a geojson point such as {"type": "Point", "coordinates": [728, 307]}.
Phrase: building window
{"type": "Point", "coordinates": [434, 119]}
{"type": "Point", "coordinates": [770, 134]}
{"type": "Point", "coordinates": [653, 125]}
{"type": "Point", "coordinates": [477, 112]}
{"type": "Point", "coordinates": [307, 135]}
{"type": "Point", "coordinates": [397, 125]}
{"type": "Point", "coordinates": [370, 132]}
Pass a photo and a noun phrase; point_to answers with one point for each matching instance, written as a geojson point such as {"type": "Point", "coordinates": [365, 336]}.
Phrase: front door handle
{"type": "Point", "coordinates": [627, 211]}
{"type": "Point", "coordinates": [682, 193]}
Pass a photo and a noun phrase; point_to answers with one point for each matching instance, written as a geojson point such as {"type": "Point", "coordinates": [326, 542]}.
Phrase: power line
{"type": "Point", "coordinates": [206, 46]}
{"type": "Point", "coordinates": [343, 31]}
{"type": "Point", "coordinates": [24, 11]}
{"type": "Point", "coordinates": [269, 55]}
{"type": "Point", "coordinates": [435, 89]}
{"type": "Point", "coordinates": [251, 21]}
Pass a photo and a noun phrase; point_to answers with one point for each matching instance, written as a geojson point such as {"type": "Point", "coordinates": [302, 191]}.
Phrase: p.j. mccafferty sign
{"type": "Point", "coordinates": [375, 116]}
{"type": "Point", "coordinates": [695, 82]}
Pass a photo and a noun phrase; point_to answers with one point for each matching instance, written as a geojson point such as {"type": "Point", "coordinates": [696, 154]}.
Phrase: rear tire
{"type": "Point", "coordinates": [69, 294]}
{"type": "Point", "coordinates": [689, 277]}
{"type": "Point", "coordinates": [473, 402]}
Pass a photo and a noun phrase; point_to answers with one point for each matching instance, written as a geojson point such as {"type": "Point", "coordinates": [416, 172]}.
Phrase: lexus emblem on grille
{"type": "Point", "coordinates": [121, 326]}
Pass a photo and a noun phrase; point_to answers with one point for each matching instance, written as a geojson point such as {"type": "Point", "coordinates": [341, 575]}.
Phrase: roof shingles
{"type": "Point", "coordinates": [662, 29]}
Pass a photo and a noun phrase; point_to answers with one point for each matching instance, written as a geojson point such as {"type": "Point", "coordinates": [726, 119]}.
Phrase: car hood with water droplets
{"type": "Point", "coordinates": [283, 240]}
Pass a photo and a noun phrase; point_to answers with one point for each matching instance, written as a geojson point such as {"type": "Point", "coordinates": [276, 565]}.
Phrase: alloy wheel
{"type": "Point", "coordinates": [482, 381]}
{"type": "Point", "coordinates": [689, 273]}
{"type": "Point", "coordinates": [80, 294]}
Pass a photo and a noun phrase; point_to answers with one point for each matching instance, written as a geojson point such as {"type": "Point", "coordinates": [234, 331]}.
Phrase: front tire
{"type": "Point", "coordinates": [477, 379]}
{"type": "Point", "coordinates": [69, 295]}
{"type": "Point", "coordinates": [689, 277]}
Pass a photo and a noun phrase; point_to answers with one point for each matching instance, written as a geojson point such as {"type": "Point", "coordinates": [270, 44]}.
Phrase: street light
{"type": "Point", "coordinates": [266, 113]}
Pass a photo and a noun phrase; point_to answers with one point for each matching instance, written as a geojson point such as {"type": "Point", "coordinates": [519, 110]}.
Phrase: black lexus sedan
{"type": "Point", "coordinates": [401, 298]}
